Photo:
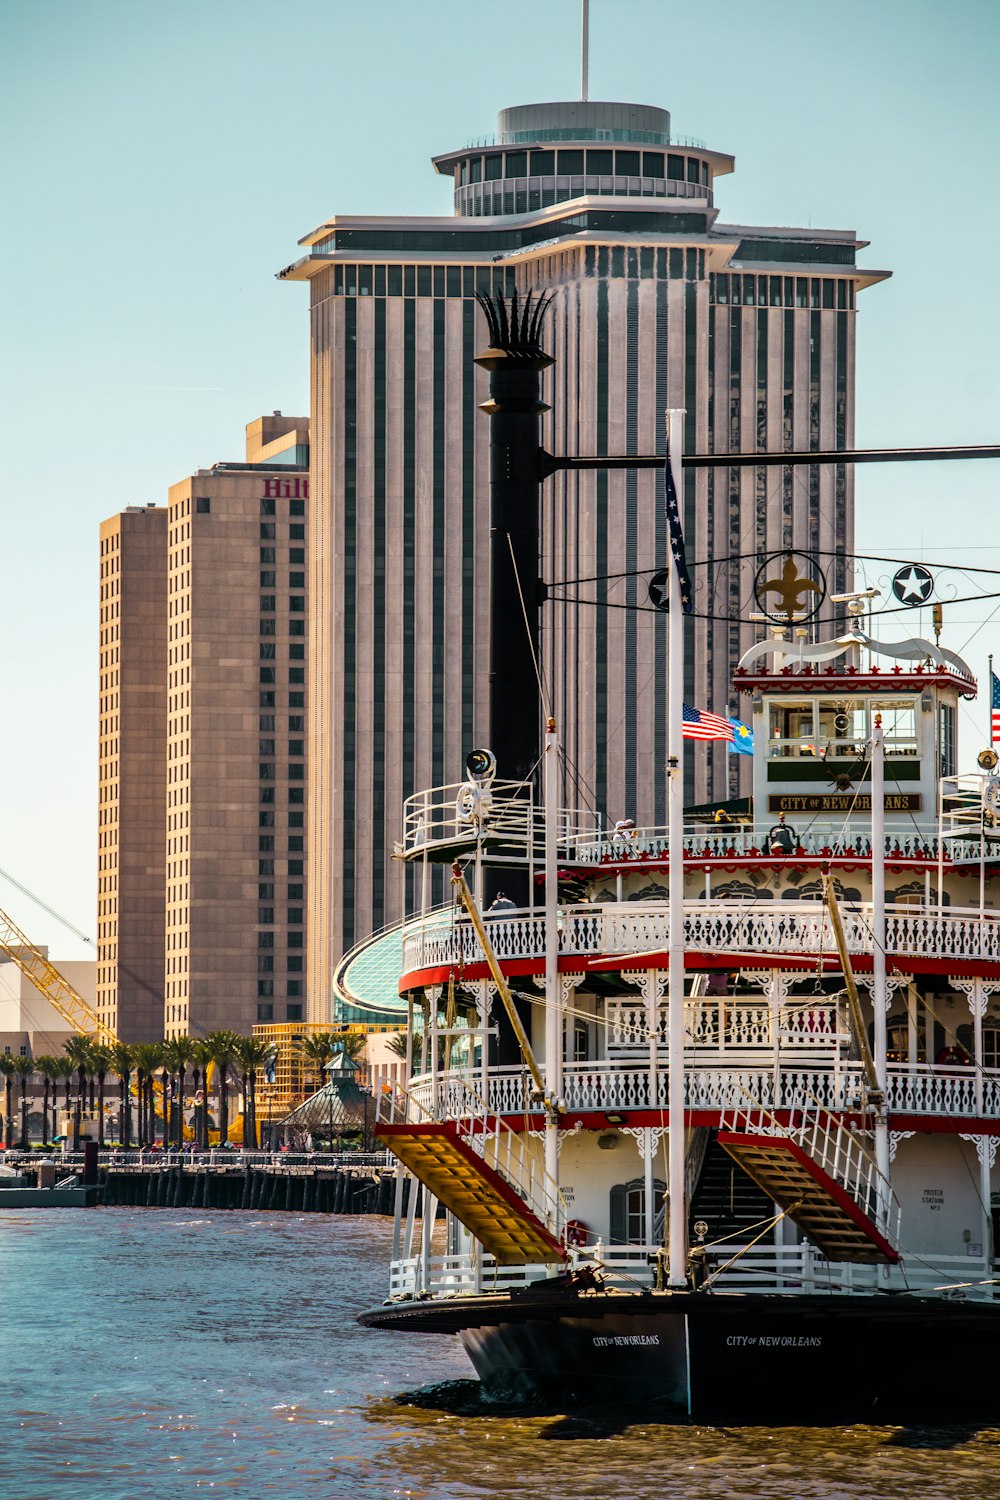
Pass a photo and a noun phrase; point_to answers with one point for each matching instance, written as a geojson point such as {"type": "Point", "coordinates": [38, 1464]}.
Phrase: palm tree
{"type": "Point", "coordinates": [49, 1068]}
{"type": "Point", "coordinates": [7, 1072]}
{"type": "Point", "coordinates": [223, 1045]}
{"type": "Point", "coordinates": [318, 1050]}
{"type": "Point", "coordinates": [252, 1052]}
{"type": "Point", "coordinates": [180, 1051]}
{"type": "Point", "coordinates": [201, 1058]}
{"type": "Point", "coordinates": [101, 1057]}
{"type": "Point", "coordinates": [79, 1050]}
{"type": "Point", "coordinates": [146, 1057]}
{"type": "Point", "coordinates": [24, 1067]}
{"type": "Point", "coordinates": [64, 1070]}
{"type": "Point", "coordinates": [122, 1063]}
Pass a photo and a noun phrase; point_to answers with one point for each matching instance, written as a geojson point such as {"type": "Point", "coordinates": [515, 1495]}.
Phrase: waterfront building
{"type": "Point", "coordinates": [30, 1025]}
{"type": "Point", "coordinates": [131, 833]}
{"type": "Point", "coordinates": [656, 303]}
{"type": "Point", "coordinates": [215, 909]}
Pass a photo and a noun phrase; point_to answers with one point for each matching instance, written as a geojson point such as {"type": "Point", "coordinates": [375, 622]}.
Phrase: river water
{"type": "Point", "coordinates": [148, 1353]}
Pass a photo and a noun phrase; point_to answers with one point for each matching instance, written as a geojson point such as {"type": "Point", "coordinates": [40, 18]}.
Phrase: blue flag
{"type": "Point", "coordinates": [677, 538]}
{"type": "Point", "coordinates": [742, 741]}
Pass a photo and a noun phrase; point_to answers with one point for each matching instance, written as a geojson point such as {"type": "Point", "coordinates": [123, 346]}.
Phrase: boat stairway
{"type": "Point", "coordinates": [819, 1174]}
{"type": "Point", "coordinates": [726, 1198]}
{"type": "Point", "coordinates": [487, 1176]}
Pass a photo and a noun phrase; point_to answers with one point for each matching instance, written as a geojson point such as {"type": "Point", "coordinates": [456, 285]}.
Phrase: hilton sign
{"type": "Point", "coordinates": [843, 802]}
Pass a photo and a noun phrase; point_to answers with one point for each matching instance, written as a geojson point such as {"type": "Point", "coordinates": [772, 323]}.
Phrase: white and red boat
{"type": "Point", "coordinates": [713, 1117]}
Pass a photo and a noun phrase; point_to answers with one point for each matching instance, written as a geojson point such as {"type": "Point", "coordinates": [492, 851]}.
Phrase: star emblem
{"type": "Point", "coordinates": [913, 584]}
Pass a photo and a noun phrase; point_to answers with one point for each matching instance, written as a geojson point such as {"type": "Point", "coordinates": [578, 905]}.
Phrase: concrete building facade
{"type": "Point", "coordinates": [131, 833]}
{"type": "Point", "coordinates": [227, 778]}
{"type": "Point", "coordinates": [656, 304]}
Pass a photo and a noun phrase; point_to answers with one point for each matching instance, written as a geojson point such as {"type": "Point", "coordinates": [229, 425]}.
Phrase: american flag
{"type": "Point", "coordinates": [677, 539]}
{"type": "Point", "coordinates": [699, 725]}
{"type": "Point", "coordinates": [994, 709]}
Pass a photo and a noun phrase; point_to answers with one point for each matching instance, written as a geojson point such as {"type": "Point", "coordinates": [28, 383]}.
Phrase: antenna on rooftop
{"type": "Point", "coordinates": [584, 46]}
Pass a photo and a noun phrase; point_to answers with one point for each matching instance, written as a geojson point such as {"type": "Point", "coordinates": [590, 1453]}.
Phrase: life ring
{"type": "Point", "coordinates": [468, 802]}
{"type": "Point", "coordinates": [577, 1233]}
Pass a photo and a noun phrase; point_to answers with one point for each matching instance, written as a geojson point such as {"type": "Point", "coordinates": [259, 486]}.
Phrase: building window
{"type": "Point", "coordinates": [295, 580]}
{"type": "Point", "coordinates": [294, 987]}
{"type": "Point", "coordinates": [296, 555]}
{"type": "Point", "coordinates": [264, 1012]}
{"type": "Point", "coordinates": [267, 554]}
{"type": "Point", "coordinates": [266, 674]}
{"type": "Point", "coordinates": [296, 747]}
{"type": "Point", "coordinates": [265, 940]}
{"type": "Point", "coordinates": [267, 507]}
{"type": "Point", "coordinates": [265, 915]}
{"type": "Point", "coordinates": [267, 603]}
{"type": "Point", "coordinates": [267, 532]}
{"type": "Point", "coordinates": [265, 963]}
{"type": "Point", "coordinates": [296, 533]}
{"type": "Point", "coordinates": [294, 964]}
{"type": "Point", "coordinates": [294, 1012]}
{"type": "Point", "coordinates": [297, 603]}
{"type": "Point", "coordinates": [202, 505]}
{"type": "Point", "coordinates": [297, 508]}
{"type": "Point", "coordinates": [628, 1210]}
{"type": "Point", "coordinates": [266, 721]}
{"type": "Point", "coordinates": [294, 893]}
{"type": "Point", "coordinates": [267, 627]}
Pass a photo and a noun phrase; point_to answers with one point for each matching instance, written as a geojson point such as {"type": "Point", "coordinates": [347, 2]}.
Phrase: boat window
{"type": "Point", "coordinates": [946, 740]}
{"type": "Point", "coordinates": [991, 1047]}
{"type": "Point", "coordinates": [843, 727]}
{"type": "Point", "coordinates": [792, 729]}
{"type": "Point", "coordinates": [899, 726]}
{"type": "Point", "coordinates": [628, 1210]}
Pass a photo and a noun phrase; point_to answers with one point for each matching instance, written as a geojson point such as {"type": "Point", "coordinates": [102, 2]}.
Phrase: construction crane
{"type": "Point", "coordinates": [46, 978]}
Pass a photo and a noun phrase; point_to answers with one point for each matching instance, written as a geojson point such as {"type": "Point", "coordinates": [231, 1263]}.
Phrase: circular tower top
{"type": "Point", "coordinates": [584, 120]}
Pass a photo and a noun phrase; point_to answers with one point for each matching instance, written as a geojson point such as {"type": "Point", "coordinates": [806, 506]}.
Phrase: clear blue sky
{"type": "Point", "coordinates": [163, 160]}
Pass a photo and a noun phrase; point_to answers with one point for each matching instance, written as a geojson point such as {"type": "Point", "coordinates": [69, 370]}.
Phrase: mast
{"type": "Point", "coordinates": [584, 48]}
{"type": "Point", "coordinates": [677, 1225]}
{"type": "Point", "coordinates": [879, 992]}
{"type": "Point", "coordinates": [553, 997]}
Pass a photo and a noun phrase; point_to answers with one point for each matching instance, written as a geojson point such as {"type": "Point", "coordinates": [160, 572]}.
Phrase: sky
{"type": "Point", "coordinates": [163, 160]}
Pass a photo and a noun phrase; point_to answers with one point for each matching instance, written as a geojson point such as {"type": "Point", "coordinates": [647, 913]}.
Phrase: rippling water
{"type": "Point", "coordinates": [145, 1353]}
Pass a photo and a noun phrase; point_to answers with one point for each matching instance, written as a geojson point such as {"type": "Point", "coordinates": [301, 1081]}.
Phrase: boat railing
{"type": "Point", "coordinates": [741, 927]}
{"type": "Point", "coordinates": [508, 1152]}
{"type": "Point", "coordinates": [798, 1268]}
{"type": "Point", "coordinates": [507, 812]}
{"type": "Point", "coordinates": [834, 1144]}
{"type": "Point", "coordinates": [836, 1080]}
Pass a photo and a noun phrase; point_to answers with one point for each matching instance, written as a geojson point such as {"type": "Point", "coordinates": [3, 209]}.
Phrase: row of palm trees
{"type": "Point", "coordinates": [151, 1076]}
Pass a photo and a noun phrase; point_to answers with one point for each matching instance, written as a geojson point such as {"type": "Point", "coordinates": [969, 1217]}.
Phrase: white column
{"type": "Point", "coordinates": [677, 1226]}
{"type": "Point", "coordinates": [879, 993]}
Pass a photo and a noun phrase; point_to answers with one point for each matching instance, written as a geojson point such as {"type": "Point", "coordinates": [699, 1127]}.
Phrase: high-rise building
{"type": "Point", "coordinates": [656, 304]}
{"type": "Point", "coordinates": [206, 804]}
{"type": "Point", "coordinates": [131, 833]}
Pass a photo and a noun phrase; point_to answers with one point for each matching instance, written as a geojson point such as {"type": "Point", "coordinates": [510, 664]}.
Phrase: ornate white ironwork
{"type": "Point", "coordinates": [711, 927]}
{"type": "Point", "coordinates": [895, 1136]}
{"type": "Point", "coordinates": [986, 1147]}
{"type": "Point", "coordinates": [647, 1138]}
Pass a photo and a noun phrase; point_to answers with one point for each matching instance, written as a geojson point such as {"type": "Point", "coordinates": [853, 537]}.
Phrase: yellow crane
{"type": "Point", "coordinates": [61, 995]}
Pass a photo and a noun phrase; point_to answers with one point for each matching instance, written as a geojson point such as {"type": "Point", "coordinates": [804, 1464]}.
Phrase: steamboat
{"type": "Point", "coordinates": [712, 1110]}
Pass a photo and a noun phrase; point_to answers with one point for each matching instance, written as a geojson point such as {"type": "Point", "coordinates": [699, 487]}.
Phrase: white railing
{"type": "Point", "coordinates": [761, 1267]}
{"type": "Point", "coordinates": [834, 1147]}
{"type": "Point", "coordinates": [913, 1088]}
{"type": "Point", "coordinates": [440, 815]}
{"type": "Point", "coordinates": [711, 927]}
{"type": "Point", "coordinates": [720, 1027]}
{"type": "Point", "coordinates": [507, 1152]}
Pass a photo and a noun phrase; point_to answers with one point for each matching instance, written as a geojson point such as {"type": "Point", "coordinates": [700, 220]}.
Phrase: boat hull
{"type": "Point", "coordinates": [733, 1358]}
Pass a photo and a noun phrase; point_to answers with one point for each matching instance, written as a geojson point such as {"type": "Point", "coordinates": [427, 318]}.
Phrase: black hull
{"type": "Point", "coordinates": [745, 1359]}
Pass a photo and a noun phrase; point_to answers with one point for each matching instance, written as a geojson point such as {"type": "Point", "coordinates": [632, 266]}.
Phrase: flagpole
{"type": "Point", "coordinates": [991, 697]}
{"type": "Point", "coordinates": [677, 1226]}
